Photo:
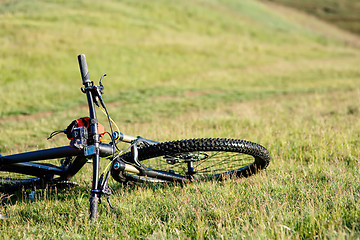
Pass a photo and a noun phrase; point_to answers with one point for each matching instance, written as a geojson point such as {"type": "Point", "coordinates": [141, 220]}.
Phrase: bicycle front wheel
{"type": "Point", "coordinates": [199, 159]}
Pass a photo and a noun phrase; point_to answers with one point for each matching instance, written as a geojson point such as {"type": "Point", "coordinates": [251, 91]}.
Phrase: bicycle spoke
{"type": "Point", "coordinates": [221, 163]}
{"type": "Point", "coordinates": [218, 165]}
{"type": "Point", "coordinates": [214, 162]}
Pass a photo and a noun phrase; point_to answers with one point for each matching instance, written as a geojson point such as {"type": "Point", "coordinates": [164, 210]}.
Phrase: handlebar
{"type": "Point", "coordinates": [84, 69]}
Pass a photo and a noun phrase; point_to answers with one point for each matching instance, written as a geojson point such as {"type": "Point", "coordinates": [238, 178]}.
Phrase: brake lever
{"type": "Point", "coordinates": [97, 91]}
{"type": "Point", "coordinates": [100, 83]}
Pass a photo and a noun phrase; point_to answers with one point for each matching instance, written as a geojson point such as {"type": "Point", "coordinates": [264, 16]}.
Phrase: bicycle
{"type": "Point", "coordinates": [145, 160]}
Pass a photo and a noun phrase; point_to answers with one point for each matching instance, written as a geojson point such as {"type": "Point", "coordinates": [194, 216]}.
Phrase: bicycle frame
{"type": "Point", "coordinates": [24, 162]}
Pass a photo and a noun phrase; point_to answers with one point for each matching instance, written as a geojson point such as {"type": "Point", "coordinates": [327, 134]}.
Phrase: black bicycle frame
{"type": "Point", "coordinates": [23, 162]}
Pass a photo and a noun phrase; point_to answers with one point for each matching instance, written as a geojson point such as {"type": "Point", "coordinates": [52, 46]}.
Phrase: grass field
{"type": "Point", "coordinates": [177, 70]}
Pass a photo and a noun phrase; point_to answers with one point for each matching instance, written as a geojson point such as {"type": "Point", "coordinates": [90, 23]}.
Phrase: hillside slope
{"type": "Point", "coordinates": [161, 48]}
{"type": "Point", "coordinates": [342, 13]}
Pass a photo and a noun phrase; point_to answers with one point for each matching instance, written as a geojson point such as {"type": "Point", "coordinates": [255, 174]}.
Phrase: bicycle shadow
{"type": "Point", "coordinates": [63, 194]}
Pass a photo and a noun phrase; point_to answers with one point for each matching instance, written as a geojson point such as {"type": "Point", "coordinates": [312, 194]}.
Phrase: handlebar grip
{"type": "Point", "coordinates": [84, 69]}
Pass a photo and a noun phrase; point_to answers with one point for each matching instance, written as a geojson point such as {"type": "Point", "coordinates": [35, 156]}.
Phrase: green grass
{"type": "Point", "coordinates": [177, 70]}
{"type": "Point", "coordinates": [41, 42]}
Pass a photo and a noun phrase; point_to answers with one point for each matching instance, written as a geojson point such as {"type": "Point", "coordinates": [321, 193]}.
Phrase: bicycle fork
{"type": "Point", "coordinates": [92, 148]}
{"type": "Point", "coordinates": [93, 143]}
{"type": "Point", "coordinates": [95, 192]}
